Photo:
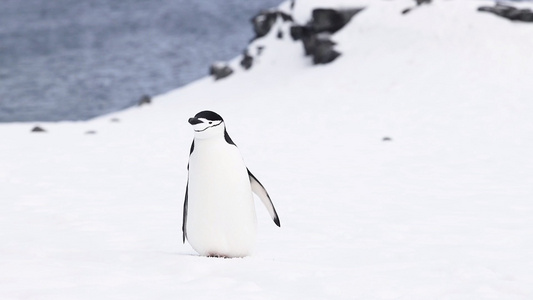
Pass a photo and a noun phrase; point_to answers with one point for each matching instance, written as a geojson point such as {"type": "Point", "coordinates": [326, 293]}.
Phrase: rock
{"type": "Point", "coordinates": [115, 120]}
{"type": "Point", "coordinates": [315, 36]}
{"type": "Point", "coordinates": [220, 70]}
{"type": "Point", "coordinates": [317, 45]}
{"type": "Point", "coordinates": [387, 139]}
{"type": "Point", "coordinates": [308, 40]}
{"type": "Point", "coordinates": [323, 51]}
{"type": "Point", "coordinates": [298, 32]}
{"type": "Point", "coordinates": [306, 35]}
{"type": "Point", "coordinates": [247, 61]}
{"type": "Point", "coordinates": [263, 21]}
{"type": "Point", "coordinates": [509, 12]}
{"type": "Point", "coordinates": [420, 2]}
{"type": "Point", "coordinates": [38, 129]}
{"type": "Point", "coordinates": [90, 132]}
{"type": "Point", "coordinates": [331, 20]}
{"type": "Point", "coordinates": [285, 17]}
{"type": "Point", "coordinates": [407, 10]}
{"type": "Point", "coordinates": [145, 99]}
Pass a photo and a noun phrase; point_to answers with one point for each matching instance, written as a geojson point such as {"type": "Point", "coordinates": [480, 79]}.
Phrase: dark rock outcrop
{"type": "Point", "coordinates": [297, 32]}
{"type": "Point", "coordinates": [317, 45]}
{"type": "Point", "coordinates": [263, 21]}
{"type": "Point", "coordinates": [285, 17]}
{"type": "Point", "coordinates": [260, 50]}
{"type": "Point", "coordinates": [145, 99]}
{"type": "Point", "coordinates": [418, 3]}
{"type": "Point", "coordinates": [308, 37]}
{"type": "Point", "coordinates": [331, 20]}
{"type": "Point", "coordinates": [262, 24]}
{"type": "Point", "coordinates": [247, 61]}
{"type": "Point", "coordinates": [509, 12]}
{"type": "Point", "coordinates": [323, 51]}
{"type": "Point", "coordinates": [220, 70]}
{"type": "Point", "coordinates": [407, 10]}
{"type": "Point", "coordinates": [38, 129]}
{"type": "Point", "coordinates": [315, 36]}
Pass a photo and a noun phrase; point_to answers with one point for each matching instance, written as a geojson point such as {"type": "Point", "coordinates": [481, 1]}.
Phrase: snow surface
{"type": "Point", "coordinates": [442, 211]}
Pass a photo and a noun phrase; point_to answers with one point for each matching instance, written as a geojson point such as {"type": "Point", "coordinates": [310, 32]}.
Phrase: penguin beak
{"type": "Point", "coordinates": [194, 121]}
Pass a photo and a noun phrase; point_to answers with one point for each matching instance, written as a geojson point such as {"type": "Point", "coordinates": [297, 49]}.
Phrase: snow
{"type": "Point", "coordinates": [442, 211]}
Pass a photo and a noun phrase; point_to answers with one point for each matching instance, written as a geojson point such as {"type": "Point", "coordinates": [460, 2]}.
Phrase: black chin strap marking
{"type": "Point", "coordinates": [208, 127]}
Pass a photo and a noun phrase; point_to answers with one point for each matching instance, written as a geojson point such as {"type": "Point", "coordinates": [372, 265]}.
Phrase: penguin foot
{"type": "Point", "coordinates": [216, 255]}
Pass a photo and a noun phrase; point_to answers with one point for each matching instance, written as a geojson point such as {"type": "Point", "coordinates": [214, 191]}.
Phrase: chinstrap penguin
{"type": "Point", "coordinates": [219, 212]}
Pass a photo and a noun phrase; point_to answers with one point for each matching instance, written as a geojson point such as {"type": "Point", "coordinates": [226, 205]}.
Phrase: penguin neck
{"type": "Point", "coordinates": [218, 135]}
{"type": "Point", "coordinates": [211, 140]}
{"type": "Point", "coordinates": [210, 132]}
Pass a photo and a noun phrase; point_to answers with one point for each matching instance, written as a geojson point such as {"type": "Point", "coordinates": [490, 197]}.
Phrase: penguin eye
{"type": "Point", "coordinates": [210, 122]}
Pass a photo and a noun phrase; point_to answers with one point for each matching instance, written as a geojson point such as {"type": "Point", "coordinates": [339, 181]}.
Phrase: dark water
{"type": "Point", "coordinates": [76, 59]}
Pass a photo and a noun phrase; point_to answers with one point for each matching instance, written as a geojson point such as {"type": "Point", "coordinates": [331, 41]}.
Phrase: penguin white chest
{"type": "Point", "coordinates": [221, 217]}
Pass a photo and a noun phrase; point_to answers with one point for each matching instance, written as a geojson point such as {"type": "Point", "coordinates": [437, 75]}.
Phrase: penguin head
{"type": "Point", "coordinates": [207, 124]}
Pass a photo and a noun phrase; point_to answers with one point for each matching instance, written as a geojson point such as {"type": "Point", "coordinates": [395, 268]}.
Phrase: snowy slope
{"type": "Point", "coordinates": [443, 211]}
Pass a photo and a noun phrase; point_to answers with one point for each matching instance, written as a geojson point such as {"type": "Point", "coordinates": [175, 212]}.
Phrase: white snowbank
{"type": "Point", "coordinates": [443, 211]}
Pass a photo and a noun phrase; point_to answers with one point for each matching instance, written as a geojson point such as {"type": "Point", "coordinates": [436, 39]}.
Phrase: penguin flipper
{"type": "Point", "coordinates": [186, 202]}
{"type": "Point", "coordinates": [185, 205]}
{"type": "Point", "coordinates": [261, 192]}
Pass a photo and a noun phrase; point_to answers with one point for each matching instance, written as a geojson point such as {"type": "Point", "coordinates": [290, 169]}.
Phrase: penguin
{"type": "Point", "coordinates": [219, 217]}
